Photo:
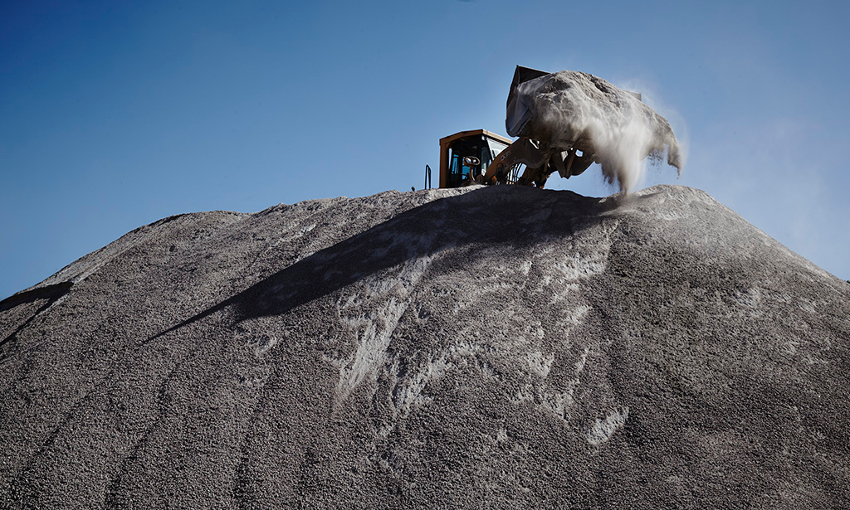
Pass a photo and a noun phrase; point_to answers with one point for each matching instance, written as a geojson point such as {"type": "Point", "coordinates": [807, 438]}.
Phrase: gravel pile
{"type": "Point", "coordinates": [485, 347]}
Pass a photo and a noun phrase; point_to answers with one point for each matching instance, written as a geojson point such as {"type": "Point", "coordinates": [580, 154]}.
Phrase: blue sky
{"type": "Point", "coordinates": [115, 115]}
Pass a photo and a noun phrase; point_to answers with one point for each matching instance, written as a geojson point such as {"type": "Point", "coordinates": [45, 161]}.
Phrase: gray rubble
{"type": "Point", "coordinates": [572, 109]}
{"type": "Point", "coordinates": [480, 347]}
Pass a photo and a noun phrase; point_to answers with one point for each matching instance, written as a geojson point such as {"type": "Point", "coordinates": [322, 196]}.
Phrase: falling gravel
{"type": "Point", "coordinates": [572, 109]}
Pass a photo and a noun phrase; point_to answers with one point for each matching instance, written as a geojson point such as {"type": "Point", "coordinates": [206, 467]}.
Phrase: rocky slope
{"type": "Point", "coordinates": [496, 347]}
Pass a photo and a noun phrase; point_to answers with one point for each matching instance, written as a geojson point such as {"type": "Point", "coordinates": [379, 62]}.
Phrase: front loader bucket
{"type": "Point", "coordinates": [518, 110]}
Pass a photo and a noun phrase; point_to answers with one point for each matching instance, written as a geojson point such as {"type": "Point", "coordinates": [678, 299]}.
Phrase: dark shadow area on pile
{"type": "Point", "coordinates": [49, 294]}
{"type": "Point", "coordinates": [498, 215]}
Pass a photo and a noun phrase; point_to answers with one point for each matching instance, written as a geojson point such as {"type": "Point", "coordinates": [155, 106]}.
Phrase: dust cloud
{"type": "Point", "coordinates": [572, 109]}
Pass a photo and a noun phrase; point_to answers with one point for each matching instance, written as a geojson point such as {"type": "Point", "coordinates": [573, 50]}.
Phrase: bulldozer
{"type": "Point", "coordinates": [564, 122]}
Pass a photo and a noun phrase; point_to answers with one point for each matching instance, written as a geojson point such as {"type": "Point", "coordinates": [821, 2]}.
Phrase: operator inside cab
{"type": "Point", "coordinates": [466, 155]}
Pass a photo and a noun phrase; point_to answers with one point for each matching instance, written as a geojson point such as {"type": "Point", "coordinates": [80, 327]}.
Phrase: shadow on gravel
{"type": "Point", "coordinates": [49, 294]}
{"type": "Point", "coordinates": [498, 215]}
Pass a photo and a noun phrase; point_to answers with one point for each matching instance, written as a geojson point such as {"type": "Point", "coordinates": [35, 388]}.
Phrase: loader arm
{"type": "Point", "coordinates": [523, 151]}
{"type": "Point", "coordinates": [540, 162]}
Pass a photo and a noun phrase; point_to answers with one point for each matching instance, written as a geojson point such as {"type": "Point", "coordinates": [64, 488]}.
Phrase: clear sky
{"type": "Point", "coordinates": [114, 114]}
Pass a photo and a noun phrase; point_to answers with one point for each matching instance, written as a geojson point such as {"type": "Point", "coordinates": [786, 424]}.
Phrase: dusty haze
{"type": "Point", "coordinates": [575, 109]}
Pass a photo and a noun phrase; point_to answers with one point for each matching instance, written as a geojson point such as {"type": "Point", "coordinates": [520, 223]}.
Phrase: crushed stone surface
{"type": "Point", "coordinates": [482, 347]}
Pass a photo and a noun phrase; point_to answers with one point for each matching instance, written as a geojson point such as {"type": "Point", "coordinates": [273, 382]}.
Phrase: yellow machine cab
{"type": "Point", "coordinates": [466, 155]}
